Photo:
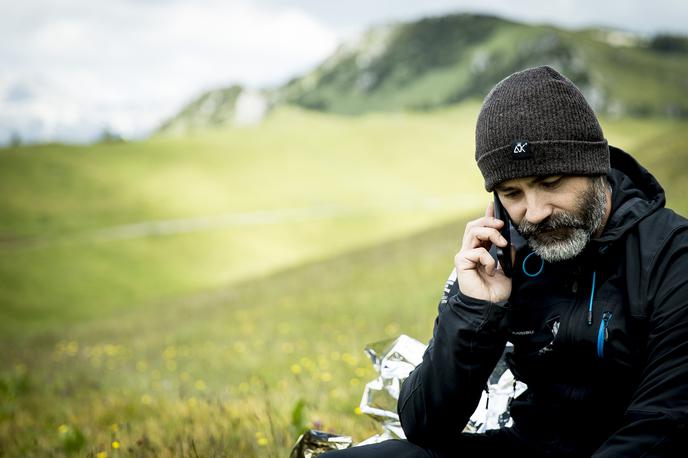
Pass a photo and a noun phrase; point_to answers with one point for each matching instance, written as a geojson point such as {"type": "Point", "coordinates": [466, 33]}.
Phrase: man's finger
{"type": "Point", "coordinates": [489, 211]}
{"type": "Point", "coordinates": [475, 259]}
{"type": "Point", "coordinates": [488, 221]}
{"type": "Point", "coordinates": [478, 236]}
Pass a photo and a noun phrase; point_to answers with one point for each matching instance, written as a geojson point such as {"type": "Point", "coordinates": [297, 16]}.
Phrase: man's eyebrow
{"type": "Point", "coordinates": [502, 188]}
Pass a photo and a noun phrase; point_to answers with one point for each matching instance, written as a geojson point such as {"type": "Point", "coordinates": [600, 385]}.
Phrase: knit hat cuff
{"type": "Point", "coordinates": [547, 157]}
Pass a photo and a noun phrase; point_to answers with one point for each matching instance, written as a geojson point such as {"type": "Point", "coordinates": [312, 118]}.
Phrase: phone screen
{"type": "Point", "coordinates": [503, 254]}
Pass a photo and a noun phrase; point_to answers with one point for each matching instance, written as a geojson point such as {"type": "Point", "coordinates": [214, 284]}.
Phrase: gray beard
{"type": "Point", "coordinates": [564, 235]}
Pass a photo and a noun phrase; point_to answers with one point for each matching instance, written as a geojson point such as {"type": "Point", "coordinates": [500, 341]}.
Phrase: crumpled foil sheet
{"type": "Point", "coordinates": [493, 408]}
{"type": "Point", "coordinates": [313, 443]}
{"type": "Point", "coordinates": [393, 360]}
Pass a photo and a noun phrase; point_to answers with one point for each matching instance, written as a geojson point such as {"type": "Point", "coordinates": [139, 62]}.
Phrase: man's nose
{"type": "Point", "coordinates": [537, 211]}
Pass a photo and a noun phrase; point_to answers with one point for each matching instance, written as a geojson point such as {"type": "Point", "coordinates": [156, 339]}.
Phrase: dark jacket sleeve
{"type": "Point", "coordinates": [439, 396]}
{"type": "Point", "coordinates": [656, 419]}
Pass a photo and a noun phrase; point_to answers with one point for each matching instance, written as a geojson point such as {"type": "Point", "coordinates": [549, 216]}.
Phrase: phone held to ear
{"type": "Point", "coordinates": [503, 254]}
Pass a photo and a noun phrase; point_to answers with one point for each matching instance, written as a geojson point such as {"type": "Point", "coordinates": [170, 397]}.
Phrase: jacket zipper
{"type": "Point", "coordinates": [603, 333]}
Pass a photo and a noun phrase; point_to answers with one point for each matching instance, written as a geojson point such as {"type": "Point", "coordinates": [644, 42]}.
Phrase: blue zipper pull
{"type": "Point", "coordinates": [592, 295]}
{"type": "Point", "coordinates": [603, 333]}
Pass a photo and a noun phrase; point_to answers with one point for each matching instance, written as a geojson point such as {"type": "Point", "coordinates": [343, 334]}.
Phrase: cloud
{"type": "Point", "coordinates": [634, 15]}
{"type": "Point", "coordinates": [81, 66]}
{"type": "Point", "coordinates": [70, 68]}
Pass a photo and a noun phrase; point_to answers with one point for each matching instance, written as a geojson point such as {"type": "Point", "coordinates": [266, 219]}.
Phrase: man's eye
{"type": "Point", "coordinates": [552, 184]}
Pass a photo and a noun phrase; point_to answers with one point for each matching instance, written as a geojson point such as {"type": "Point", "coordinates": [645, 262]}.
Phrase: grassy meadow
{"type": "Point", "coordinates": [211, 295]}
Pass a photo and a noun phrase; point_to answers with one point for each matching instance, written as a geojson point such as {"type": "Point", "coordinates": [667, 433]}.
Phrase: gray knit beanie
{"type": "Point", "coordinates": [537, 122]}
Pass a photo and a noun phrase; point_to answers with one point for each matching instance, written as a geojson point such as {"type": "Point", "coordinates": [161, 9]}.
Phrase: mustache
{"type": "Point", "coordinates": [551, 223]}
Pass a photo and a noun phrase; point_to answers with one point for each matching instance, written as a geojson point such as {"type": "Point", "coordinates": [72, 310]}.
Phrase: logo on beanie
{"type": "Point", "coordinates": [520, 149]}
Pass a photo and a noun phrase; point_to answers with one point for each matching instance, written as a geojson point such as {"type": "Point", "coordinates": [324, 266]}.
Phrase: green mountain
{"type": "Point", "coordinates": [443, 60]}
{"type": "Point", "coordinates": [231, 106]}
{"type": "Point", "coordinates": [213, 108]}
{"type": "Point", "coordinates": [439, 61]}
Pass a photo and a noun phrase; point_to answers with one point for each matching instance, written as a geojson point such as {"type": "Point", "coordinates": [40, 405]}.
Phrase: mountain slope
{"type": "Point", "coordinates": [439, 61]}
{"type": "Point", "coordinates": [231, 106]}
{"type": "Point", "coordinates": [443, 60]}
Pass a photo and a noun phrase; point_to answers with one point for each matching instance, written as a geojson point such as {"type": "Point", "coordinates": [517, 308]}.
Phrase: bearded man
{"type": "Point", "coordinates": [596, 304]}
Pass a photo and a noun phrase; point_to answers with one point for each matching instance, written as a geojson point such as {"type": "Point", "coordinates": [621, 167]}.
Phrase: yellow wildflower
{"type": "Point", "coordinates": [392, 329]}
{"type": "Point", "coordinates": [72, 347]}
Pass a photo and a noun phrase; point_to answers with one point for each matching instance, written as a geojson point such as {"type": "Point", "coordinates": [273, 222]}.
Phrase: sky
{"type": "Point", "coordinates": [70, 69]}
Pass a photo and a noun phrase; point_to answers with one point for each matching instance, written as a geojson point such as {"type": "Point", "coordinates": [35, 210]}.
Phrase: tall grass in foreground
{"type": "Point", "coordinates": [222, 374]}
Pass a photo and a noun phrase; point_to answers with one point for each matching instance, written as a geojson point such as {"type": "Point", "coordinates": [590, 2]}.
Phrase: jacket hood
{"type": "Point", "coordinates": [635, 195]}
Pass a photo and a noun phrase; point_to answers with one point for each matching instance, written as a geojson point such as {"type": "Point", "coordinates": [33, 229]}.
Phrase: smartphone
{"type": "Point", "coordinates": [503, 254]}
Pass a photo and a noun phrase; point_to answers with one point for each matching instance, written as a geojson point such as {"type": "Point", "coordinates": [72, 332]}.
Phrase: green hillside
{"type": "Point", "coordinates": [440, 61]}
{"type": "Point", "coordinates": [443, 60]}
{"type": "Point", "coordinates": [180, 296]}
{"type": "Point", "coordinates": [212, 109]}
{"type": "Point", "coordinates": [93, 231]}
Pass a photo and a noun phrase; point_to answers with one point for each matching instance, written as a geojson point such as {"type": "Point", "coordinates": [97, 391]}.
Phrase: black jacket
{"type": "Point", "coordinates": [600, 340]}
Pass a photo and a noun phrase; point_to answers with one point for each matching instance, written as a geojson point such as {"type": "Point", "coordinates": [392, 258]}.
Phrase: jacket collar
{"type": "Point", "coordinates": [635, 195]}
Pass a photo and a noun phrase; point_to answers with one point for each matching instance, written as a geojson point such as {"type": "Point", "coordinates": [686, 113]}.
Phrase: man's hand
{"type": "Point", "coordinates": [479, 275]}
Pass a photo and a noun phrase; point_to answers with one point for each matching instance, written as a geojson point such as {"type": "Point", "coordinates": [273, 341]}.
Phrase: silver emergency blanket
{"type": "Point", "coordinates": [393, 360]}
{"type": "Point", "coordinates": [493, 408]}
{"type": "Point", "coordinates": [313, 443]}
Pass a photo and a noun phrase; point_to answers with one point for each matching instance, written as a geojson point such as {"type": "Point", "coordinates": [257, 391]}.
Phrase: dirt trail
{"type": "Point", "coordinates": [157, 228]}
